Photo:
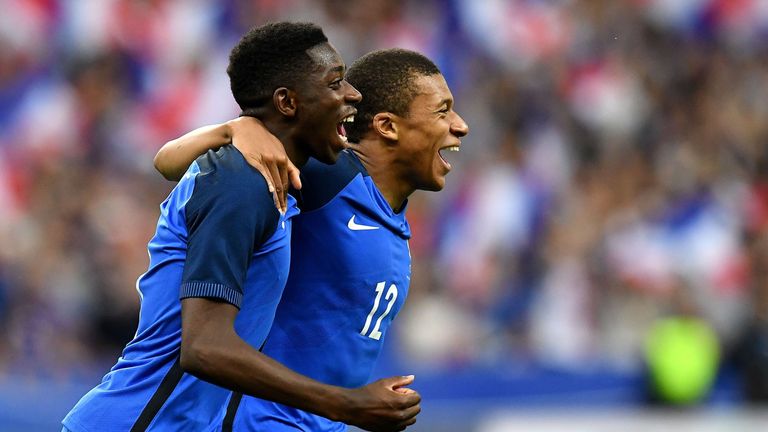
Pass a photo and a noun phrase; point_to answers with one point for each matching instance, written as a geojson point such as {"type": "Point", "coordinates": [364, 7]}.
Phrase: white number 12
{"type": "Point", "coordinates": [390, 297]}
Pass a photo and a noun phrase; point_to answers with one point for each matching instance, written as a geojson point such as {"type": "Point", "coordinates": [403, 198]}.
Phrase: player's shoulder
{"type": "Point", "coordinates": [322, 182]}
{"type": "Point", "coordinates": [225, 177]}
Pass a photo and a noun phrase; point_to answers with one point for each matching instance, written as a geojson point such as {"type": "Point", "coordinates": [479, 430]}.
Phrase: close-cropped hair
{"type": "Point", "coordinates": [271, 56]}
{"type": "Point", "coordinates": [386, 78]}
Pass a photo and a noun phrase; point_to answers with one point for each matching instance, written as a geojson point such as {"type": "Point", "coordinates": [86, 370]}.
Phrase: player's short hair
{"type": "Point", "coordinates": [386, 78]}
{"type": "Point", "coordinates": [271, 56]}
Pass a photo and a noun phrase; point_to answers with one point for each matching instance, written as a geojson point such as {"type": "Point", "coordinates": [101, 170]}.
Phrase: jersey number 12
{"type": "Point", "coordinates": [391, 297]}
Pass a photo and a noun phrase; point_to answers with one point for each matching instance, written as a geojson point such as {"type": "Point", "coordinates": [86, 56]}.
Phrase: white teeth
{"type": "Point", "coordinates": [349, 119]}
{"type": "Point", "coordinates": [452, 148]}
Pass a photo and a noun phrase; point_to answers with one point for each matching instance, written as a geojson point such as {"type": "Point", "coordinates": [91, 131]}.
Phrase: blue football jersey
{"type": "Point", "coordinates": [219, 236]}
{"type": "Point", "coordinates": [350, 272]}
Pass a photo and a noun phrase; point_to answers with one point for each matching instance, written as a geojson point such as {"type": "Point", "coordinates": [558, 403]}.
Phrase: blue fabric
{"type": "Point", "coordinates": [218, 236]}
{"type": "Point", "coordinates": [341, 279]}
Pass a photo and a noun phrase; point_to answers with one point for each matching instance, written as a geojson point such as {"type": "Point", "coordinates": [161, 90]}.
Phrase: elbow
{"type": "Point", "coordinates": [158, 161]}
{"type": "Point", "coordinates": [160, 164]}
{"type": "Point", "coordinates": [190, 359]}
{"type": "Point", "coordinates": [197, 359]}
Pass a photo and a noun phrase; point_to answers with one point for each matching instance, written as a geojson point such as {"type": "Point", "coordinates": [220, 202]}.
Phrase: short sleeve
{"type": "Point", "coordinates": [229, 215]}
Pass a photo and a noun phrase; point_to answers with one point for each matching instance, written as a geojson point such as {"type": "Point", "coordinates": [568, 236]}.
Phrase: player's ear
{"type": "Point", "coordinates": [385, 125]}
{"type": "Point", "coordinates": [284, 100]}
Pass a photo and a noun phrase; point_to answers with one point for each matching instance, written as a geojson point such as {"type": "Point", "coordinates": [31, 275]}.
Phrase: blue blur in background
{"type": "Point", "coordinates": [616, 173]}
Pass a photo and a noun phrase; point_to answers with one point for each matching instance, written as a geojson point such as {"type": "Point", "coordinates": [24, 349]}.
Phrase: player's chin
{"type": "Point", "coordinates": [331, 150]}
{"type": "Point", "coordinates": [436, 181]}
{"type": "Point", "coordinates": [436, 184]}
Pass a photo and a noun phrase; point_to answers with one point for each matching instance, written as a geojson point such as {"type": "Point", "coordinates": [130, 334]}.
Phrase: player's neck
{"type": "Point", "coordinates": [384, 173]}
{"type": "Point", "coordinates": [295, 151]}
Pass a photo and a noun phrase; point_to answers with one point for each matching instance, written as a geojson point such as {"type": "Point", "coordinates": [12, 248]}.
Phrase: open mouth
{"type": "Point", "coordinates": [340, 127]}
{"type": "Point", "coordinates": [453, 149]}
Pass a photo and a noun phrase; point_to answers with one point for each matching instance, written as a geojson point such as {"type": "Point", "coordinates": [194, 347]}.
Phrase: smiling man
{"type": "Point", "coordinates": [219, 261]}
{"type": "Point", "coordinates": [350, 264]}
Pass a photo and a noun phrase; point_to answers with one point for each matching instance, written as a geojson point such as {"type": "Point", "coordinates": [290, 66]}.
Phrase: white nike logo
{"type": "Point", "coordinates": [357, 227]}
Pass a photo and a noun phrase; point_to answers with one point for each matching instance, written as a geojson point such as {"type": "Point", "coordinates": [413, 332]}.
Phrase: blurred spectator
{"type": "Point", "coordinates": [618, 150]}
{"type": "Point", "coordinates": [752, 349]}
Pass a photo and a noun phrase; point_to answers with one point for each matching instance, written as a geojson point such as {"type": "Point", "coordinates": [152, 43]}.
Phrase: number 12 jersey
{"type": "Point", "coordinates": [349, 276]}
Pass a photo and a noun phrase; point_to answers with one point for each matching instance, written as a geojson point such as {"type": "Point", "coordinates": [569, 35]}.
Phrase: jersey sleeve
{"type": "Point", "coordinates": [228, 217]}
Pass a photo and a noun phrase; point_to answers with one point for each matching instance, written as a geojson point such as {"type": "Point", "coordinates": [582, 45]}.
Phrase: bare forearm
{"type": "Point", "coordinates": [213, 351]}
{"type": "Point", "coordinates": [261, 149]}
{"type": "Point", "coordinates": [173, 158]}
{"type": "Point", "coordinates": [239, 367]}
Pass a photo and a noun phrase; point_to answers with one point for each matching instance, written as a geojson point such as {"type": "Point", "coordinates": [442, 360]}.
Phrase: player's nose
{"type": "Point", "coordinates": [352, 95]}
{"type": "Point", "coordinates": [459, 127]}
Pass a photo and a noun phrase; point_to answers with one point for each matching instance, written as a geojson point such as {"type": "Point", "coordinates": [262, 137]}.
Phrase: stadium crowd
{"type": "Point", "coordinates": [617, 170]}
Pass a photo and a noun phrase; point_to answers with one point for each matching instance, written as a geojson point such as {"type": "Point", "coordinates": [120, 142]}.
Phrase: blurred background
{"type": "Point", "coordinates": [598, 260]}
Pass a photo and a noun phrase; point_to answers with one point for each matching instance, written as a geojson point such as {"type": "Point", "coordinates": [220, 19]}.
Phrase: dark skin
{"type": "Point", "coordinates": [265, 153]}
{"type": "Point", "coordinates": [305, 121]}
{"type": "Point", "coordinates": [212, 351]}
{"type": "Point", "coordinates": [402, 154]}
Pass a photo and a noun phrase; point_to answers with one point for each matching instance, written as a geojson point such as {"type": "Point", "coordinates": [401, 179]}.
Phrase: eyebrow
{"type": "Point", "coordinates": [447, 101]}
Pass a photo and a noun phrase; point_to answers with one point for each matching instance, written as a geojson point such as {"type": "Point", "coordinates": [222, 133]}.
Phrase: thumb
{"type": "Point", "coordinates": [400, 381]}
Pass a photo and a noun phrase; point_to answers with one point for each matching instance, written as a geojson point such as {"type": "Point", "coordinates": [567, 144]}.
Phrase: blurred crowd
{"type": "Point", "coordinates": [616, 171]}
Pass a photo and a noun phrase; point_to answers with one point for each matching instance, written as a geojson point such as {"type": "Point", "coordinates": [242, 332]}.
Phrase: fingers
{"type": "Point", "coordinates": [282, 166]}
{"type": "Point", "coordinates": [278, 169]}
{"type": "Point", "coordinates": [408, 417]}
{"type": "Point", "coordinates": [410, 413]}
{"type": "Point", "coordinates": [280, 190]}
{"type": "Point", "coordinates": [264, 171]}
{"type": "Point", "coordinates": [276, 200]}
{"type": "Point", "coordinates": [411, 399]}
{"type": "Point", "coordinates": [397, 384]}
{"type": "Point", "coordinates": [283, 170]}
{"type": "Point", "coordinates": [270, 174]}
{"type": "Point", "coordinates": [393, 407]}
{"type": "Point", "coordinates": [411, 419]}
{"type": "Point", "coordinates": [293, 173]}
{"type": "Point", "coordinates": [265, 153]}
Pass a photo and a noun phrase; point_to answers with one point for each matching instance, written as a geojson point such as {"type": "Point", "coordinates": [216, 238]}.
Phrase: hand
{"type": "Point", "coordinates": [266, 153]}
{"type": "Point", "coordinates": [383, 406]}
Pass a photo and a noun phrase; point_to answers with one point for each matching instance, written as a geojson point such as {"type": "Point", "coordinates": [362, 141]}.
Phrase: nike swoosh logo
{"type": "Point", "coordinates": [357, 227]}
